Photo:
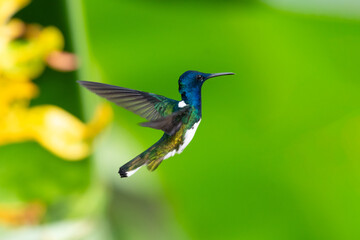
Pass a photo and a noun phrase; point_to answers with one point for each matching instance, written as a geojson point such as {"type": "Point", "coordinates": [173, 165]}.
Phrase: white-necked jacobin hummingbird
{"type": "Point", "coordinates": [178, 119]}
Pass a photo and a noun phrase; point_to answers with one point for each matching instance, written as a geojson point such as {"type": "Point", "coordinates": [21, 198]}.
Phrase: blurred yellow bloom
{"type": "Point", "coordinates": [25, 61]}
{"type": "Point", "coordinates": [54, 128]}
{"type": "Point", "coordinates": [15, 92]}
{"type": "Point", "coordinates": [15, 215]}
{"type": "Point", "coordinates": [20, 62]}
{"type": "Point", "coordinates": [9, 7]}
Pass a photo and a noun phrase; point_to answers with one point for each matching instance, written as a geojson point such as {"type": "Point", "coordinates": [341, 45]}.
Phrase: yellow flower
{"type": "Point", "coordinates": [54, 128]}
{"type": "Point", "coordinates": [20, 214]}
{"type": "Point", "coordinates": [62, 133]}
{"type": "Point", "coordinates": [24, 61]}
{"type": "Point", "coordinates": [20, 62]}
{"type": "Point", "coordinates": [9, 7]}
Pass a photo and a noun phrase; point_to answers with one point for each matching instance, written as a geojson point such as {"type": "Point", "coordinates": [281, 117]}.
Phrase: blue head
{"type": "Point", "coordinates": [190, 84]}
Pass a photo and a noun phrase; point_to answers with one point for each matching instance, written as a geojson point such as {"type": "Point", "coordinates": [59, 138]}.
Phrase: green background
{"type": "Point", "coordinates": [276, 155]}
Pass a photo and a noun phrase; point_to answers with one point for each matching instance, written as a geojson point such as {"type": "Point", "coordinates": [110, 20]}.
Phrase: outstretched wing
{"type": "Point", "coordinates": [147, 105]}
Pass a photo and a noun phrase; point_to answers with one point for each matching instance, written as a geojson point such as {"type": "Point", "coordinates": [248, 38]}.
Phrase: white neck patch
{"type": "Point", "coordinates": [181, 104]}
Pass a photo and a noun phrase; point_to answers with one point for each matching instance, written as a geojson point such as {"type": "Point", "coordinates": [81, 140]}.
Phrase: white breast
{"type": "Point", "coordinates": [170, 154]}
{"type": "Point", "coordinates": [189, 134]}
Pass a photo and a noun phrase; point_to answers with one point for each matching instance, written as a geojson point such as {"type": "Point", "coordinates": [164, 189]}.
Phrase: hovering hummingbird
{"type": "Point", "coordinates": [178, 119]}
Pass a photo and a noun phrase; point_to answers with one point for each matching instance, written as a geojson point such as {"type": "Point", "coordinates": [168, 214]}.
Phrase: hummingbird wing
{"type": "Point", "coordinates": [169, 124]}
{"type": "Point", "coordinates": [147, 105]}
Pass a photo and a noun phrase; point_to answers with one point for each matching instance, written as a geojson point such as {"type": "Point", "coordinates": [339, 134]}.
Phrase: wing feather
{"type": "Point", "coordinates": [147, 105]}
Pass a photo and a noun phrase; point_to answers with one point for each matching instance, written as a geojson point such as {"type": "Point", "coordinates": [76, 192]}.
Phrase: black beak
{"type": "Point", "coordinates": [220, 74]}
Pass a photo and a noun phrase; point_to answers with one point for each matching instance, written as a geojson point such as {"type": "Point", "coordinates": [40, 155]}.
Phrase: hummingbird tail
{"type": "Point", "coordinates": [152, 157]}
{"type": "Point", "coordinates": [153, 164]}
{"type": "Point", "coordinates": [132, 166]}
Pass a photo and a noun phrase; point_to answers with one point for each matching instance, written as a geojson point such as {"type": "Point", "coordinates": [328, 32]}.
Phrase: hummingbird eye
{"type": "Point", "coordinates": [199, 77]}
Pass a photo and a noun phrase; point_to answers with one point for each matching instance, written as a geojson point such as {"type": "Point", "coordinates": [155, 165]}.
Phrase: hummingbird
{"type": "Point", "coordinates": [178, 120]}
